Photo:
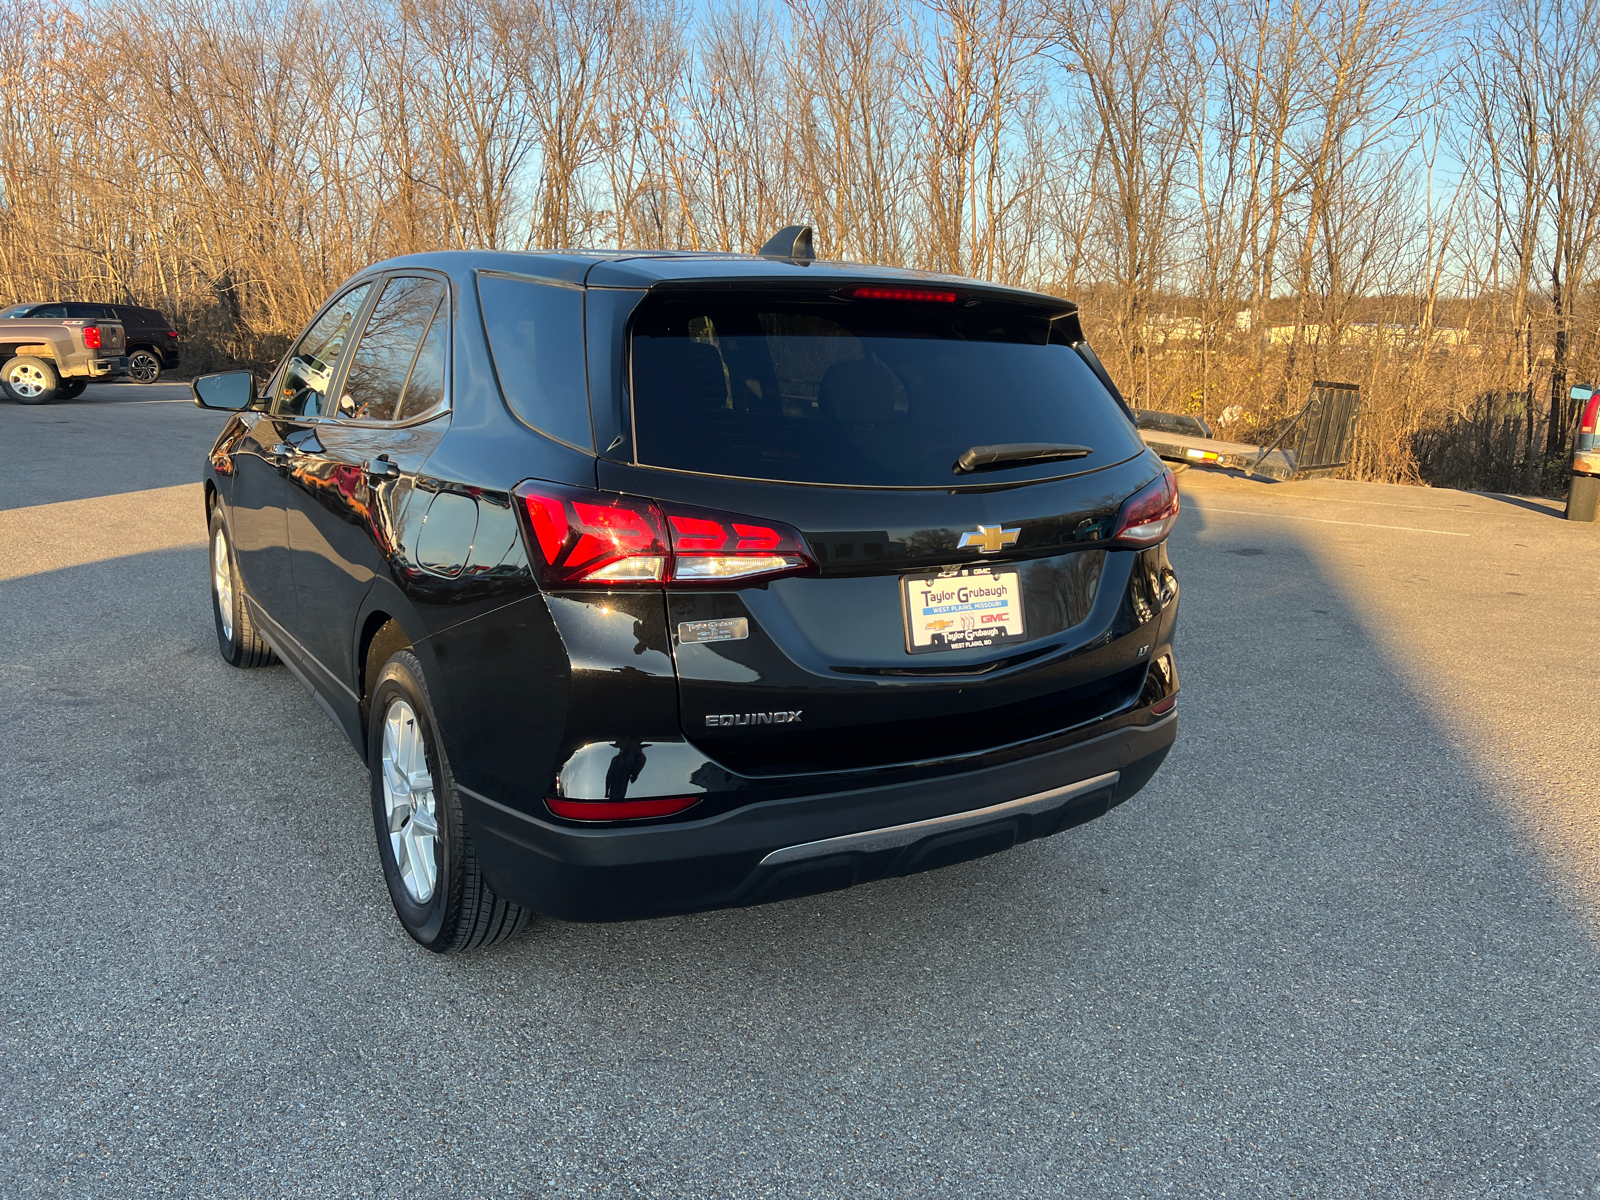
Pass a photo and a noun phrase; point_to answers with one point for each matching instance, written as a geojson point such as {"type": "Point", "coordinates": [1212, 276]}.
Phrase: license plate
{"type": "Point", "coordinates": [973, 607]}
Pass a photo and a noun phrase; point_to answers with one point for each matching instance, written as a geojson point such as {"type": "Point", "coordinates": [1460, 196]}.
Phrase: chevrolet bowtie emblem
{"type": "Point", "coordinates": [989, 538]}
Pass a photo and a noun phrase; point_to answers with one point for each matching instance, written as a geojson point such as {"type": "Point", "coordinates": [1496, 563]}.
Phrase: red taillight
{"type": "Point", "coordinates": [934, 295]}
{"type": "Point", "coordinates": [1149, 514]}
{"type": "Point", "coordinates": [708, 547]}
{"type": "Point", "coordinates": [1589, 425]}
{"type": "Point", "coordinates": [594, 538]}
{"type": "Point", "coordinates": [172, 333]}
{"type": "Point", "coordinates": [91, 337]}
{"type": "Point", "coordinates": [697, 535]}
{"type": "Point", "coordinates": [619, 810]}
{"type": "Point", "coordinates": [603, 539]}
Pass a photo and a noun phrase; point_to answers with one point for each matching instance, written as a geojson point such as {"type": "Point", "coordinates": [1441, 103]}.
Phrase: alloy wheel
{"type": "Point", "coordinates": [27, 380]}
{"type": "Point", "coordinates": [143, 367]}
{"type": "Point", "coordinates": [222, 582]}
{"type": "Point", "coordinates": [408, 801]}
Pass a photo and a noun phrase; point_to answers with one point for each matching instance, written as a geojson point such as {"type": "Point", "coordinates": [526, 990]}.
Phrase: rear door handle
{"type": "Point", "coordinates": [382, 468]}
{"type": "Point", "coordinates": [283, 450]}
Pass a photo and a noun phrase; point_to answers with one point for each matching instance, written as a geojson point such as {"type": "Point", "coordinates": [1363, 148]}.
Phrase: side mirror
{"type": "Point", "coordinates": [1581, 392]}
{"type": "Point", "coordinates": [231, 391]}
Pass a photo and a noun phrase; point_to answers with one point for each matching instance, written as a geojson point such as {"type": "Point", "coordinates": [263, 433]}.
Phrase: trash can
{"type": "Point", "coordinates": [1583, 495]}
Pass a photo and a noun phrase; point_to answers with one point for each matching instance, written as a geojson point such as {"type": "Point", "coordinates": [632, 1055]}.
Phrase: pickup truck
{"type": "Point", "coordinates": [49, 358]}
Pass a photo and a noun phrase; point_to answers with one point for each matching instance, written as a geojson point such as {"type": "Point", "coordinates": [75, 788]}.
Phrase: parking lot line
{"type": "Point", "coordinates": [1246, 512]}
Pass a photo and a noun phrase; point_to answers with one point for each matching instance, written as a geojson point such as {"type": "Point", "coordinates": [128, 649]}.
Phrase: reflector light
{"type": "Point", "coordinates": [619, 810]}
{"type": "Point", "coordinates": [91, 337]}
{"type": "Point", "coordinates": [933, 295]}
{"type": "Point", "coordinates": [1162, 707]}
{"type": "Point", "coordinates": [1150, 513]}
{"type": "Point", "coordinates": [583, 538]}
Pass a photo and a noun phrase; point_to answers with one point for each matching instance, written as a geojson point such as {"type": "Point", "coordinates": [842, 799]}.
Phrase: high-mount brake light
{"type": "Point", "coordinates": [1149, 514]}
{"type": "Point", "coordinates": [91, 337]}
{"type": "Point", "coordinates": [583, 539]}
{"type": "Point", "coordinates": [619, 810]}
{"type": "Point", "coordinates": [933, 295]}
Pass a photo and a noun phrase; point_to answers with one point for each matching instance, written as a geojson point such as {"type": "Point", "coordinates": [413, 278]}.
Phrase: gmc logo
{"type": "Point", "coordinates": [714, 720]}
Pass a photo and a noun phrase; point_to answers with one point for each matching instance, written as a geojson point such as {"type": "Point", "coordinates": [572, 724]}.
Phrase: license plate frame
{"type": "Point", "coordinates": [965, 617]}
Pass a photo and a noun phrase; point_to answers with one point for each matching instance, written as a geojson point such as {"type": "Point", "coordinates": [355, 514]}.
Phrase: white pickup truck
{"type": "Point", "coordinates": [46, 359]}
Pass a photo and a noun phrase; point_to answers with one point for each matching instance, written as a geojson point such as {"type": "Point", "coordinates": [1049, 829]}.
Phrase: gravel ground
{"type": "Point", "coordinates": [1345, 943]}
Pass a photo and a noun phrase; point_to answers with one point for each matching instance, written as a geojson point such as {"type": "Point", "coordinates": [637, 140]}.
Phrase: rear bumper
{"type": "Point", "coordinates": [784, 848]}
{"type": "Point", "coordinates": [101, 367]}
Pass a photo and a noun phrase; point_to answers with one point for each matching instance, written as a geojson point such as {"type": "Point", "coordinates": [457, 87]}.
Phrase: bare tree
{"type": "Point", "coordinates": [1243, 194]}
{"type": "Point", "coordinates": [1118, 51]}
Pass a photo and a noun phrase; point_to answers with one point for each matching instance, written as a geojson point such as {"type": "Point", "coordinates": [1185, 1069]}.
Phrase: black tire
{"type": "Point", "coordinates": [29, 380]}
{"type": "Point", "coordinates": [238, 640]}
{"type": "Point", "coordinates": [144, 366]}
{"type": "Point", "coordinates": [71, 389]}
{"type": "Point", "coordinates": [1583, 498]}
{"type": "Point", "coordinates": [462, 912]}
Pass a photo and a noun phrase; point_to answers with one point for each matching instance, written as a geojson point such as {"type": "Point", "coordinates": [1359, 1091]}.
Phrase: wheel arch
{"type": "Point", "coordinates": [379, 635]}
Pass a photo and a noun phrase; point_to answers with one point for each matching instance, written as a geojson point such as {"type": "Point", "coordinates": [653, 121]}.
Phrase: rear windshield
{"type": "Point", "coordinates": [863, 392]}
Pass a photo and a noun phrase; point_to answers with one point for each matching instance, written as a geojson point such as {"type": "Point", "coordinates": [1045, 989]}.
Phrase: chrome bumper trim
{"type": "Point", "coordinates": [895, 836]}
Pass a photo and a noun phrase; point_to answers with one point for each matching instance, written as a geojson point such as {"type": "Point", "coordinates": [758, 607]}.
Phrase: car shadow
{"type": "Point", "coordinates": [1534, 504]}
{"type": "Point", "coordinates": [94, 446]}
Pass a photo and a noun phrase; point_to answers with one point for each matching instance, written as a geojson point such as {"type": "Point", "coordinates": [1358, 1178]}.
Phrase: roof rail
{"type": "Point", "coordinates": [791, 242]}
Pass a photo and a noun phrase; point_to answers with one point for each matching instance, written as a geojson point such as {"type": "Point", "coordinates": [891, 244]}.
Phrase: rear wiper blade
{"type": "Point", "coordinates": [987, 458]}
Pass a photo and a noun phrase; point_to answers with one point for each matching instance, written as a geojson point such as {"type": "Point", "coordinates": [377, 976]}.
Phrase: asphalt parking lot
{"type": "Point", "coordinates": [1345, 944]}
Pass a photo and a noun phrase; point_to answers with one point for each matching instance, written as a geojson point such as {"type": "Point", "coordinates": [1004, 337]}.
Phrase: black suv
{"type": "Point", "coordinates": [654, 582]}
{"type": "Point", "coordinates": [152, 341]}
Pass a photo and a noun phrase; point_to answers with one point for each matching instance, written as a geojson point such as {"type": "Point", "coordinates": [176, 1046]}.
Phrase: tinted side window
{"type": "Point", "coordinates": [50, 311]}
{"type": "Point", "coordinates": [425, 389]}
{"type": "Point", "coordinates": [302, 389]}
{"type": "Point", "coordinates": [536, 340]}
{"type": "Point", "coordinates": [383, 357]}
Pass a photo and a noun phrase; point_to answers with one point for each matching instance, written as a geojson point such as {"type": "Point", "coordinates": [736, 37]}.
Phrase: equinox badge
{"type": "Point", "coordinates": [989, 538]}
{"type": "Point", "coordinates": [766, 718]}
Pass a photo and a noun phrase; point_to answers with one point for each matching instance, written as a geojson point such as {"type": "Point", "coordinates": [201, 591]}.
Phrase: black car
{"type": "Point", "coordinates": [152, 341]}
{"type": "Point", "coordinates": [655, 582]}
